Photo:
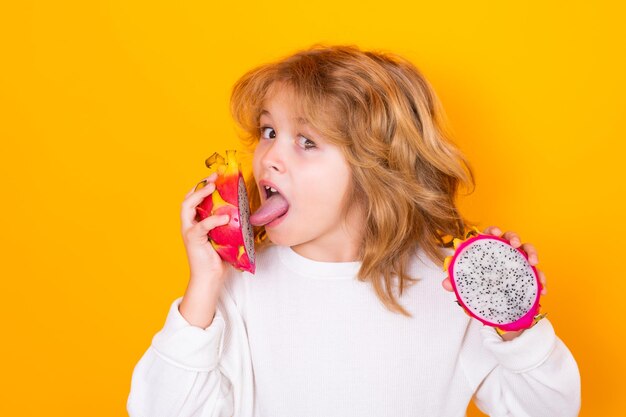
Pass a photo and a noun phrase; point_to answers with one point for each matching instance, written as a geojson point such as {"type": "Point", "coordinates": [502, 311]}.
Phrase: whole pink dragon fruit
{"type": "Point", "coordinates": [234, 241]}
{"type": "Point", "coordinates": [494, 282]}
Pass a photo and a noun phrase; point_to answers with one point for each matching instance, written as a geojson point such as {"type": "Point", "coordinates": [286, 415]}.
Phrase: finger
{"type": "Point", "coordinates": [188, 207]}
{"type": "Point", "coordinates": [447, 285]}
{"type": "Point", "coordinates": [542, 277]}
{"type": "Point", "coordinates": [530, 250]}
{"type": "Point", "coordinates": [210, 178]}
{"type": "Point", "coordinates": [513, 238]}
{"type": "Point", "coordinates": [508, 336]}
{"type": "Point", "coordinates": [211, 222]}
{"type": "Point", "coordinates": [196, 197]}
{"type": "Point", "coordinates": [200, 229]}
{"type": "Point", "coordinates": [493, 230]}
{"type": "Point", "coordinates": [542, 280]}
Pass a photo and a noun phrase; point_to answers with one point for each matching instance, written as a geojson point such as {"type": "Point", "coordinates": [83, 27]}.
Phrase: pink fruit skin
{"type": "Point", "coordinates": [226, 233]}
{"type": "Point", "coordinates": [230, 232]}
{"type": "Point", "coordinates": [224, 186]}
{"type": "Point", "coordinates": [522, 323]}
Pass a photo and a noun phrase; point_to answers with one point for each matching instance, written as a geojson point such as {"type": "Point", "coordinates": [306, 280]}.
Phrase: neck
{"type": "Point", "coordinates": [341, 246]}
{"type": "Point", "coordinates": [328, 253]}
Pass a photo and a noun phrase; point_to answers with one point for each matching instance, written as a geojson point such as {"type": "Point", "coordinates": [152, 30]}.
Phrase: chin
{"type": "Point", "coordinates": [282, 239]}
{"type": "Point", "coordinates": [276, 238]}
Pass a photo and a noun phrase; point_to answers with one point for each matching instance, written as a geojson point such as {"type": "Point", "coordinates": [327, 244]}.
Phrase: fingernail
{"type": "Point", "coordinates": [201, 184]}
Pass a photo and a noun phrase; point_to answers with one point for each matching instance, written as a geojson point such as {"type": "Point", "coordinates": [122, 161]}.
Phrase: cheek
{"type": "Point", "coordinates": [340, 181]}
{"type": "Point", "coordinates": [256, 156]}
{"type": "Point", "coordinates": [326, 194]}
{"type": "Point", "coordinates": [256, 170]}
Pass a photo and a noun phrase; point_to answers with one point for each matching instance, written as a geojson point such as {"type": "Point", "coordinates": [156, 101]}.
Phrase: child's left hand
{"type": "Point", "coordinates": [516, 242]}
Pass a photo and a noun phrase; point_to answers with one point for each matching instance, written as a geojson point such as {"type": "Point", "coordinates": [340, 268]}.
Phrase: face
{"type": "Point", "coordinates": [313, 176]}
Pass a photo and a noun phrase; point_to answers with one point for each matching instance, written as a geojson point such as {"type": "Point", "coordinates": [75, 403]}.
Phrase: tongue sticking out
{"type": "Point", "coordinates": [273, 207]}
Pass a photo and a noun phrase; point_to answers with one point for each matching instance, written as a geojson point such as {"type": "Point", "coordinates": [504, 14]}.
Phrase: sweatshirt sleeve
{"type": "Point", "coordinates": [179, 375]}
{"type": "Point", "coordinates": [532, 375]}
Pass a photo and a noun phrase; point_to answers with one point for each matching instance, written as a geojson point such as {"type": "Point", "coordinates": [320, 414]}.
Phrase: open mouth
{"type": "Point", "coordinates": [274, 207]}
{"type": "Point", "coordinates": [269, 191]}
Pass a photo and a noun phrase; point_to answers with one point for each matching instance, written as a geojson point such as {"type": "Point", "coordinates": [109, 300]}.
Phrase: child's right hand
{"type": "Point", "coordinates": [202, 257]}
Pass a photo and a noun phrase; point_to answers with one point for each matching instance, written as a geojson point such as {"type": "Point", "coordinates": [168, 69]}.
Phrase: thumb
{"type": "Point", "coordinates": [198, 233]}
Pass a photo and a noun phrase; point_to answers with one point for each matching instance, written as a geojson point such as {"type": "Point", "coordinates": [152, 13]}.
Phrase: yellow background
{"type": "Point", "coordinates": [108, 109]}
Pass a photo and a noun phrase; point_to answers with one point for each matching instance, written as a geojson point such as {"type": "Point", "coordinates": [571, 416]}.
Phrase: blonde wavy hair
{"type": "Point", "coordinates": [385, 117]}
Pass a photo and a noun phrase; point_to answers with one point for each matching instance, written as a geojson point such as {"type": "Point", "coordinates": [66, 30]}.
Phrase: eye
{"type": "Point", "coordinates": [267, 132]}
{"type": "Point", "coordinates": [306, 143]}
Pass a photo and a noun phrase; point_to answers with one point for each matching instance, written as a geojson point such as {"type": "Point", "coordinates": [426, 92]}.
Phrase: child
{"type": "Point", "coordinates": [346, 314]}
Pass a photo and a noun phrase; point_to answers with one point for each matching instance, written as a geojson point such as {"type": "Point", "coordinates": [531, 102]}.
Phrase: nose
{"type": "Point", "coordinates": [273, 156]}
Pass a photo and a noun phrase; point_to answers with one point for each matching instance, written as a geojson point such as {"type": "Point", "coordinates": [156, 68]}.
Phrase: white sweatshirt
{"type": "Point", "coordinates": [302, 338]}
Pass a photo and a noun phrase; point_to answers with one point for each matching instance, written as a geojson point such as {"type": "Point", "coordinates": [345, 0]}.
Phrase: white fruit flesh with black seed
{"type": "Point", "coordinates": [495, 283]}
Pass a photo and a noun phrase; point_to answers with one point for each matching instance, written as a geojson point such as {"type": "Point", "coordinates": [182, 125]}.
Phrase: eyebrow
{"type": "Point", "coordinates": [300, 120]}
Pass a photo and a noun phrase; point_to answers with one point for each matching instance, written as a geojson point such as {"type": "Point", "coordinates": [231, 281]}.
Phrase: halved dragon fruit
{"type": "Point", "coordinates": [234, 241]}
{"type": "Point", "coordinates": [494, 282]}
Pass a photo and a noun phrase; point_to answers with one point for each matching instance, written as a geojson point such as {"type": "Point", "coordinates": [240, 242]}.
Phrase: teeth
{"type": "Point", "coordinates": [272, 189]}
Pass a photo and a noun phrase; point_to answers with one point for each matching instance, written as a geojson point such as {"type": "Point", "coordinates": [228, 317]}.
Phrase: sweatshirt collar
{"type": "Point", "coordinates": [317, 269]}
